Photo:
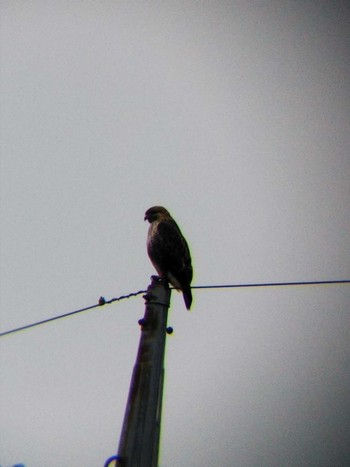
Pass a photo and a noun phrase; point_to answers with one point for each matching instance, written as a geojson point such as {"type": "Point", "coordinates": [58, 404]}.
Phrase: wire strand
{"type": "Point", "coordinates": [269, 284]}
{"type": "Point", "coordinates": [102, 300]}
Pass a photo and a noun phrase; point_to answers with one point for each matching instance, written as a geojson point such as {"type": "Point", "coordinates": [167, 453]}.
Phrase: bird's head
{"type": "Point", "coordinates": [155, 213]}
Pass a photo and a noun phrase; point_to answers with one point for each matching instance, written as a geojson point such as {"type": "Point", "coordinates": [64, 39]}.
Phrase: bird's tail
{"type": "Point", "coordinates": [187, 294]}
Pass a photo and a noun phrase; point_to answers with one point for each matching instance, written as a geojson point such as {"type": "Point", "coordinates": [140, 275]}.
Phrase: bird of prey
{"type": "Point", "coordinates": [169, 252]}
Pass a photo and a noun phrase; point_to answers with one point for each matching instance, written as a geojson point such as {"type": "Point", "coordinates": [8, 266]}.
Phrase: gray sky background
{"type": "Point", "coordinates": [234, 115]}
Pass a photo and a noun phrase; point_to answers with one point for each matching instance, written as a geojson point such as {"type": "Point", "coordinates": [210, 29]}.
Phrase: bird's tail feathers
{"type": "Point", "coordinates": [187, 294]}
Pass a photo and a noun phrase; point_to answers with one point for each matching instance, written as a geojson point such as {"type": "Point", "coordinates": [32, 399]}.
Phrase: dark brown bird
{"type": "Point", "coordinates": [169, 252]}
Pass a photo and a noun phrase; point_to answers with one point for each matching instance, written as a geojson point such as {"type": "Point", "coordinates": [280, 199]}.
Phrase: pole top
{"type": "Point", "coordinates": [158, 292]}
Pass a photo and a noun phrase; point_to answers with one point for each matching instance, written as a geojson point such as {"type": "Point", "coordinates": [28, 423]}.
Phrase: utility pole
{"type": "Point", "coordinates": [139, 439]}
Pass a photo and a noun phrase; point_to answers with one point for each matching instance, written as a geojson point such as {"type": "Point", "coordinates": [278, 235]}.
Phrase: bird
{"type": "Point", "coordinates": [169, 252]}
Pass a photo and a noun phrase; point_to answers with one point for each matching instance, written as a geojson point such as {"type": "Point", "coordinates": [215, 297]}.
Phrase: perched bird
{"type": "Point", "coordinates": [169, 252]}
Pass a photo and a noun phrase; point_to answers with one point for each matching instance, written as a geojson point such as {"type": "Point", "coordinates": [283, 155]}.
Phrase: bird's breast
{"type": "Point", "coordinates": [152, 235]}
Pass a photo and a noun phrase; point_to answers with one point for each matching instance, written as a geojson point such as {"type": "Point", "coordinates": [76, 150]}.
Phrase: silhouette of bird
{"type": "Point", "coordinates": [169, 252]}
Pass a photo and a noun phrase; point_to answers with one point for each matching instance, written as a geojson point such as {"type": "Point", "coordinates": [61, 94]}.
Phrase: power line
{"type": "Point", "coordinates": [102, 300]}
{"type": "Point", "coordinates": [268, 284]}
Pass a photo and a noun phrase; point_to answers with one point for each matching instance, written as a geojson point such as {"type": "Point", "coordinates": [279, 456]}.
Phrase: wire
{"type": "Point", "coordinates": [102, 300]}
{"type": "Point", "coordinates": [268, 284]}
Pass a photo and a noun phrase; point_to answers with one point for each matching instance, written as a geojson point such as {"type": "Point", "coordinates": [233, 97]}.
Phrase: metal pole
{"type": "Point", "coordinates": [139, 439]}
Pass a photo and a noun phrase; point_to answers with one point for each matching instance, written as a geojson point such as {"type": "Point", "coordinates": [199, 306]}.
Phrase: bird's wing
{"type": "Point", "coordinates": [173, 252]}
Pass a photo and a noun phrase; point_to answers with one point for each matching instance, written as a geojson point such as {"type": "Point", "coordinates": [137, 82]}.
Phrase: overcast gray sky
{"type": "Point", "coordinates": [234, 115]}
